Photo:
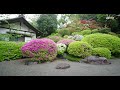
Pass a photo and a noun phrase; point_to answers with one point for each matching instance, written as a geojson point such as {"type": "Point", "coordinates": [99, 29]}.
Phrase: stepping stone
{"type": "Point", "coordinates": [62, 66]}
{"type": "Point", "coordinates": [30, 63]}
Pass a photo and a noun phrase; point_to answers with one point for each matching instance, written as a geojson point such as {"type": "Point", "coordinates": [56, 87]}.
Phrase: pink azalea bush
{"type": "Point", "coordinates": [40, 49]}
{"type": "Point", "coordinates": [66, 41]}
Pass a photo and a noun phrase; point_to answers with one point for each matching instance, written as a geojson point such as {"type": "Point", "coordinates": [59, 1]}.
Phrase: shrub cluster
{"type": "Point", "coordinates": [10, 50]}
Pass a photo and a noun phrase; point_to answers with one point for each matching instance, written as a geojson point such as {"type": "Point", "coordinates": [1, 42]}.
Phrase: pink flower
{"type": "Point", "coordinates": [40, 46]}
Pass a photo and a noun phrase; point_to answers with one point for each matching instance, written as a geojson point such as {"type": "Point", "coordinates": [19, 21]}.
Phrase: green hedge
{"type": "Point", "coordinates": [79, 49]}
{"type": "Point", "coordinates": [10, 50]}
{"type": "Point", "coordinates": [86, 32]}
{"type": "Point", "coordinates": [103, 52]}
{"type": "Point", "coordinates": [104, 40]}
{"type": "Point", "coordinates": [71, 57]}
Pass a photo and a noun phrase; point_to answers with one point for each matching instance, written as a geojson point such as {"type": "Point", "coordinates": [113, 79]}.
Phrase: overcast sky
{"type": "Point", "coordinates": [27, 16]}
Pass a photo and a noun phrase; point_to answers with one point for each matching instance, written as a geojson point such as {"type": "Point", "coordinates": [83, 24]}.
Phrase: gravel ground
{"type": "Point", "coordinates": [17, 68]}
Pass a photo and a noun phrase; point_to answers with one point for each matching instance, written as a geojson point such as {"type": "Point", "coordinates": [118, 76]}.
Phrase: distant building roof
{"type": "Point", "coordinates": [19, 19]}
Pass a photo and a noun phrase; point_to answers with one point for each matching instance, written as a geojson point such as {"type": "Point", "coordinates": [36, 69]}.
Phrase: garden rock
{"type": "Point", "coordinates": [30, 63]}
{"type": "Point", "coordinates": [62, 66]}
{"type": "Point", "coordinates": [96, 60]}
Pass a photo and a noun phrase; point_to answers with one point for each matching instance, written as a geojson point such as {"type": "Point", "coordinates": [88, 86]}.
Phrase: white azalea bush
{"type": "Point", "coordinates": [61, 48]}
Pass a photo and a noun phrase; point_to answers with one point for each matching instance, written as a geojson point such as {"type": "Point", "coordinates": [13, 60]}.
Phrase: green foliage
{"type": "Point", "coordinates": [55, 34]}
{"type": "Point", "coordinates": [102, 19]}
{"type": "Point", "coordinates": [86, 32]}
{"type": "Point", "coordinates": [80, 49]}
{"type": "Point", "coordinates": [112, 33]}
{"type": "Point", "coordinates": [47, 24]}
{"type": "Point", "coordinates": [76, 33]}
{"type": "Point", "coordinates": [95, 31]}
{"type": "Point", "coordinates": [55, 38]}
{"type": "Point", "coordinates": [103, 52]}
{"type": "Point", "coordinates": [64, 31]}
{"type": "Point", "coordinates": [105, 30]}
{"type": "Point", "coordinates": [104, 40]}
{"type": "Point", "coordinates": [71, 57]}
{"type": "Point", "coordinates": [66, 36]}
{"type": "Point", "coordinates": [10, 50]}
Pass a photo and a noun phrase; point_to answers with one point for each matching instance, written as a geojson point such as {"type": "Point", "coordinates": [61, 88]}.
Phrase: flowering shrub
{"type": "Point", "coordinates": [66, 41]}
{"type": "Point", "coordinates": [80, 49]}
{"type": "Point", "coordinates": [55, 38]}
{"type": "Point", "coordinates": [104, 40]}
{"type": "Point", "coordinates": [103, 52]}
{"type": "Point", "coordinates": [78, 37]}
{"type": "Point", "coordinates": [40, 49]}
{"type": "Point", "coordinates": [61, 48]}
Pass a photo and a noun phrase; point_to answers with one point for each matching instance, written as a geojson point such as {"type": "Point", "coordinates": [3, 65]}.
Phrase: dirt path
{"type": "Point", "coordinates": [17, 68]}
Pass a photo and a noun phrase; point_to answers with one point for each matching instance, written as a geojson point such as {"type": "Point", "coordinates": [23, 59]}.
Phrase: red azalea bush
{"type": "Point", "coordinates": [40, 49]}
{"type": "Point", "coordinates": [66, 41]}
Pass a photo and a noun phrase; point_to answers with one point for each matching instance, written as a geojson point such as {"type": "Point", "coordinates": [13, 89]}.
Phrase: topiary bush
{"type": "Point", "coordinates": [66, 41]}
{"type": "Point", "coordinates": [40, 49]}
{"type": "Point", "coordinates": [55, 38]}
{"type": "Point", "coordinates": [66, 36]}
{"type": "Point", "coordinates": [61, 48]}
{"type": "Point", "coordinates": [71, 57]}
{"type": "Point", "coordinates": [104, 40]}
{"type": "Point", "coordinates": [103, 52]}
{"type": "Point", "coordinates": [80, 49]}
{"type": "Point", "coordinates": [10, 50]}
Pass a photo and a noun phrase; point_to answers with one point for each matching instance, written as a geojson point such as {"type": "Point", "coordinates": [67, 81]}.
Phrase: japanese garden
{"type": "Point", "coordinates": [79, 44]}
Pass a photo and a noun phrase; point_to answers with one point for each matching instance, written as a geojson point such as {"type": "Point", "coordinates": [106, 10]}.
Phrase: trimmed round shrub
{"type": "Point", "coordinates": [66, 36]}
{"type": "Point", "coordinates": [71, 57]}
{"type": "Point", "coordinates": [61, 48]}
{"type": "Point", "coordinates": [55, 38]}
{"type": "Point", "coordinates": [102, 52]}
{"type": "Point", "coordinates": [86, 32]}
{"type": "Point", "coordinates": [10, 50]}
{"type": "Point", "coordinates": [80, 49]}
{"type": "Point", "coordinates": [66, 41]}
{"type": "Point", "coordinates": [40, 49]}
{"type": "Point", "coordinates": [104, 40]}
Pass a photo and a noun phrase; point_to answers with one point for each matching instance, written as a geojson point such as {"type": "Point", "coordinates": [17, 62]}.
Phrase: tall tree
{"type": "Point", "coordinates": [47, 24]}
